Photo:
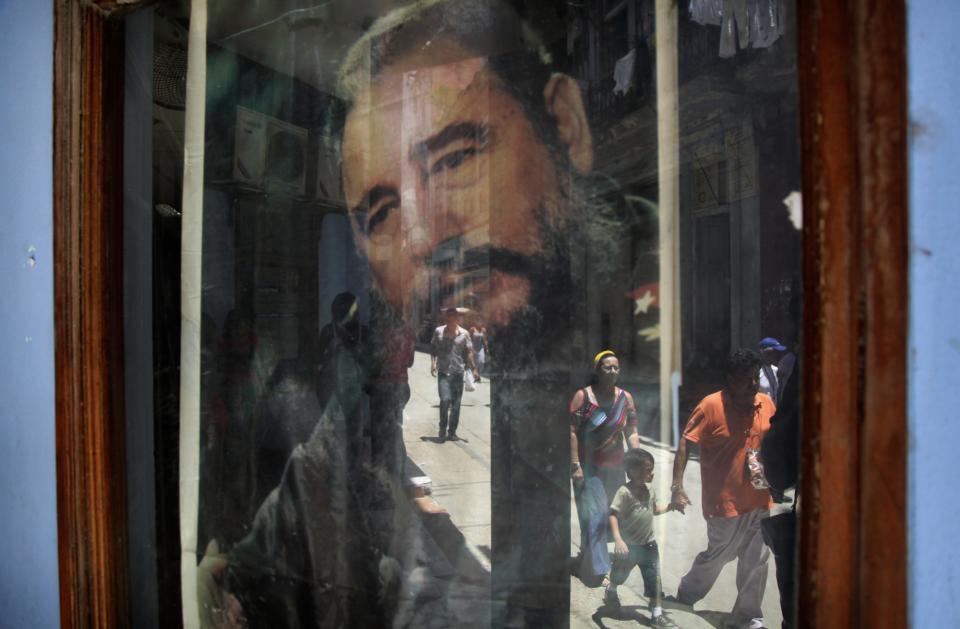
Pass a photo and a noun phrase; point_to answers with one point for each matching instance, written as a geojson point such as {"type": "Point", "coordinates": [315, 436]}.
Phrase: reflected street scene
{"type": "Point", "coordinates": [498, 318]}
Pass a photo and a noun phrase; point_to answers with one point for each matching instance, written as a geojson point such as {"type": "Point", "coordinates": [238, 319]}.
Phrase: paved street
{"type": "Point", "coordinates": [460, 472]}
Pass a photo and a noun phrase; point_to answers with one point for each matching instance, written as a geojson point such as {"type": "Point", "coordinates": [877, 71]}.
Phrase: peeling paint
{"type": "Point", "coordinates": [794, 205]}
{"type": "Point", "coordinates": [31, 261]}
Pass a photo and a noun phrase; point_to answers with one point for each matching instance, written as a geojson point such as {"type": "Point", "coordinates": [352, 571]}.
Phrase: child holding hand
{"type": "Point", "coordinates": [631, 525]}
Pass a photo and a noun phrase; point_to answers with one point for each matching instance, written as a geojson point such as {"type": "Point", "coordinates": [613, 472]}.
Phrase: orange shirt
{"type": "Point", "coordinates": [724, 434]}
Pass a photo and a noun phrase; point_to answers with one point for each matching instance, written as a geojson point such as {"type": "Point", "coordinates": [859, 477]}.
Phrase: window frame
{"type": "Point", "coordinates": [853, 103]}
{"type": "Point", "coordinates": [853, 107]}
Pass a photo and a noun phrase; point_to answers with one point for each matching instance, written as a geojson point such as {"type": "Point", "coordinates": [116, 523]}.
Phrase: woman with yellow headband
{"type": "Point", "coordinates": [603, 417]}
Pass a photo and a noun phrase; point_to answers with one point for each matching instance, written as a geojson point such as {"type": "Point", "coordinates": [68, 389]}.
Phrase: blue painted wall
{"type": "Point", "coordinates": [29, 595]}
{"type": "Point", "coordinates": [934, 491]}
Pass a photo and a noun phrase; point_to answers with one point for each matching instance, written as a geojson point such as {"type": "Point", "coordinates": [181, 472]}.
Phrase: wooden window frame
{"type": "Point", "coordinates": [852, 71]}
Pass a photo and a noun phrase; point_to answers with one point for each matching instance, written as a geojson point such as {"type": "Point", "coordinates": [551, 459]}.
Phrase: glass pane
{"type": "Point", "coordinates": [476, 312]}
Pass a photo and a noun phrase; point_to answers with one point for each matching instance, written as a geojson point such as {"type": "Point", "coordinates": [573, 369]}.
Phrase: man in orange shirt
{"type": "Point", "coordinates": [728, 425]}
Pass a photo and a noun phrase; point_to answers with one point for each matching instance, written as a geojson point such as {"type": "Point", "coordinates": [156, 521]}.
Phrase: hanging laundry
{"type": "Point", "coordinates": [765, 23]}
{"type": "Point", "coordinates": [728, 32]}
{"type": "Point", "coordinates": [623, 72]}
{"type": "Point", "coordinates": [707, 11]}
{"type": "Point", "coordinates": [741, 15]}
{"type": "Point", "coordinates": [745, 23]}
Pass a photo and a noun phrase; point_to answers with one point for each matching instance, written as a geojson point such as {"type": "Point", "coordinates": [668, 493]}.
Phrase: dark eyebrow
{"type": "Point", "coordinates": [451, 133]}
{"type": "Point", "coordinates": [373, 196]}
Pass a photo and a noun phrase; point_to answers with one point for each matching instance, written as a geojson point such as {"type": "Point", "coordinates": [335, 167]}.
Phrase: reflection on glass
{"type": "Point", "coordinates": [439, 387]}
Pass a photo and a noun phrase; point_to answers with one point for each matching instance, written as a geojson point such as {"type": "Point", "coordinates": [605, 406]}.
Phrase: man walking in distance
{"type": "Point", "coordinates": [451, 350]}
{"type": "Point", "coordinates": [728, 426]}
{"type": "Point", "coordinates": [770, 351]}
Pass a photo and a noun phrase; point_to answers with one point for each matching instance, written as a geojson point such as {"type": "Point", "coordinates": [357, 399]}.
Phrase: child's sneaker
{"type": "Point", "coordinates": [662, 621]}
{"type": "Point", "coordinates": [611, 598]}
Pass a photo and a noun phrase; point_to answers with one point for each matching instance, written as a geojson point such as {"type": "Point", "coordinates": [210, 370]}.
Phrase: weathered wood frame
{"type": "Point", "coordinates": [853, 550]}
{"type": "Point", "coordinates": [852, 64]}
{"type": "Point", "coordinates": [88, 275]}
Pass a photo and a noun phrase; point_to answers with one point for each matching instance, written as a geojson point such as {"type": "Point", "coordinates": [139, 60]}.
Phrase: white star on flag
{"type": "Point", "coordinates": [642, 304]}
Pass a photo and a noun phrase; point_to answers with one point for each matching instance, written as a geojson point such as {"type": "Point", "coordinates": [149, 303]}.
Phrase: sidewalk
{"type": "Point", "coordinates": [460, 472]}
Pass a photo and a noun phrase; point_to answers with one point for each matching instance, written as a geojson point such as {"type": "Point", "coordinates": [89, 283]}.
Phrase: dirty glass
{"type": "Point", "coordinates": [476, 312]}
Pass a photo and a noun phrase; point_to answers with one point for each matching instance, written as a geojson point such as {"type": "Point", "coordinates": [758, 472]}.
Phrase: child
{"type": "Point", "coordinates": [631, 526]}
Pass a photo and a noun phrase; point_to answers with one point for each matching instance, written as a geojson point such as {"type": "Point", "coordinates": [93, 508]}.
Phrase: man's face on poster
{"type": "Point", "coordinates": [440, 154]}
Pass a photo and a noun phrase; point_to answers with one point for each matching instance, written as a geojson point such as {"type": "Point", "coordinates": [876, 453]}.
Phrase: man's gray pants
{"type": "Point", "coordinates": [728, 539]}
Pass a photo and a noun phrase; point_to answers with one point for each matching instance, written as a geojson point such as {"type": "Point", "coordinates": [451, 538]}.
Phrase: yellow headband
{"type": "Point", "coordinates": [600, 356]}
